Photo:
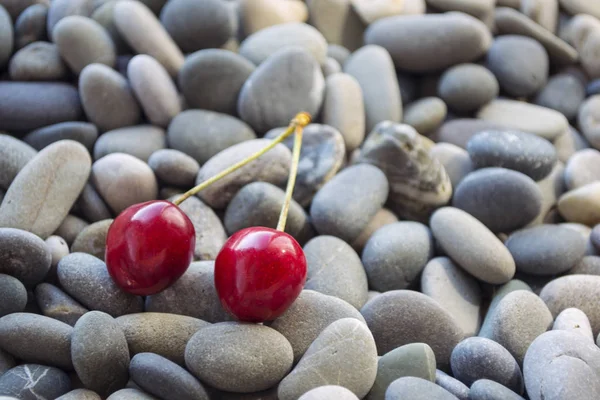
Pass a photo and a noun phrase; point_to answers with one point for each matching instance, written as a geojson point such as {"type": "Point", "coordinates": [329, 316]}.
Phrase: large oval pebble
{"type": "Point", "coordinates": [139, 141]}
{"type": "Point", "coordinates": [564, 93]}
{"type": "Point", "coordinates": [14, 155]}
{"type": "Point", "coordinates": [38, 61]}
{"type": "Point", "coordinates": [23, 255]}
{"type": "Point", "coordinates": [82, 132]}
{"type": "Point", "coordinates": [13, 295]}
{"type": "Point", "coordinates": [466, 87]}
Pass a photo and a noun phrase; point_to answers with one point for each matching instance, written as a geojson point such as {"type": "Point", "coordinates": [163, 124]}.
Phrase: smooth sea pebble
{"type": "Point", "coordinates": [472, 245]}
{"type": "Point", "coordinates": [82, 132]}
{"type": "Point", "coordinates": [581, 204]}
{"type": "Point", "coordinates": [382, 217]}
{"type": "Point", "coordinates": [455, 290]}
{"type": "Point", "coordinates": [6, 361]}
{"type": "Point", "coordinates": [479, 358]}
{"type": "Point", "coordinates": [327, 392]}
{"type": "Point", "coordinates": [373, 69]}
{"type": "Point", "coordinates": [543, 12]}
{"type": "Point", "coordinates": [400, 317]}
{"type": "Point", "coordinates": [257, 15]}
{"type": "Point", "coordinates": [551, 187]}
{"type": "Point", "coordinates": [196, 25]}
{"type": "Point", "coordinates": [34, 381]}
{"type": "Point", "coordinates": [80, 394]}
{"type": "Point", "coordinates": [588, 265]}
{"type": "Point", "coordinates": [86, 279]}
{"type": "Point", "coordinates": [476, 8]}
{"type": "Point", "coordinates": [456, 161]}
{"type": "Point", "coordinates": [139, 141]}
{"type": "Point", "coordinates": [58, 248]}
{"type": "Point", "coordinates": [37, 339]}
{"type": "Point", "coordinates": [23, 255]}
{"type": "Point", "coordinates": [38, 61]}
{"type": "Point", "coordinates": [595, 236]}
{"type": "Point", "coordinates": [415, 359]}
{"type": "Point", "coordinates": [370, 12]}
{"type": "Point", "coordinates": [131, 394]}
{"type": "Point", "coordinates": [585, 232]}
{"type": "Point", "coordinates": [582, 168]}
{"type": "Point", "coordinates": [14, 155]}
{"type": "Point", "coordinates": [92, 239]}
{"type": "Point", "coordinates": [174, 167]}
{"type": "Point", "coordinates": [454, 386]}
{"type": "Point", "coordinates": [518, 115]}
{"type": "Point", "coordinates": [395, 255]}
{"type": "Point", "coordinates": [104, 14]}
{"type": "Point", "coordinates": [459, 131]}
{"type": "Point", "coordinates": [331, 67]}
{"type": "Point", "coordinates": [334, 209]}
{"type": "Point", "coordinates": [467, 87]}
{"type": "Point", "coordinates": [561, 362]}
{"type": "Point", "coordinates": [13, 295]}
{"type": "Point", "coordinates": [587, 120]}
{"type": "Point", "coordinates": [60, 9]}
{"type": "Point", "coordinates": [516, 320]}
{"type": "Point", "coordinates": [100, 353]}
{"type": "Point", "coordinates": [123, 180]}
{"type": "Point", "coordinates": [163, 378]}
{"type": "Point", "coordinates": [142, 30]}
{"type": "Point", "coordinates": [244, 357]}
{"type": "Point", "coordinates": [343, 354]}
{"type": "Point", "coordinates": [575, 321]}
{"type": "Point", "coordinates": [581, 7]}
{"type": "Point", "coordinates": [568, 143]}
{"type": "Point", "coordinates": [182, 298]}
{"type": "Point", "coordinates": [426, 114]}
{"type": "Point", "coordinates": [30, 25]}
{"type": "Point", "coordinates": [502, 199]}
{"type": "Point", "coordinates": [70, 228]}
{"type": "Point", "coordinates": [212, 79]}
{"type": "Point", "coordinates": [487, 389]}
{"type": "Point", "coordinates": [55, 303]}
{"type": "Point", "coordinates": [335, 269]}
{"type": "Point", "coordinates": [92, 206]}
{"type": "Point", "coordinates": [25, 106]}
{"type": "Point", "coordinates": [563, 93]}
{"type": "Point", "coordinates": [288, 81]}
{"type": "Point", "coordinates": [414, 388]}
{"type": "Point", "coordinates": [318, 308]}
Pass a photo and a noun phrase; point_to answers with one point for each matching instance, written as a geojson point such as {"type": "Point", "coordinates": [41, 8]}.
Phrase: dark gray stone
{"type": "Point", "coordinates": [34, 382]}
{"type": "Point", "coordinates": [13, 295]}
{"type": "Point", "coordinates": [486, 389]}
{"type": "Point", "coordinates": [14, 155]}
{"type": "Point", "coordinates": [563, 93]}
{"type": "Point", "coordinates": [38, 61]}
{"type": "Point", "coordinates": [174, 167]}
{"type": "Point", "coordinates": [6, 361]}
{"type": "Point", "coordinates": [328, 392]}
{"type": "Point", "coordinates": [466, 87]}
{"type": "Point", "coordinates": [454, 386]}
{"type": "Point", "coordinates": [6, 36]}
{"type": "Point", "coordinates": [30, 25]}
{"type": "Point", "coordinates": [82, 132]}
{"type": "Point", "coordinates": [23, 255]}
{"type": "Point", "coordinates": [415, 388]}
{"type": "Point", "coordinates": [139, 141]}
{"type": "Point", "coordinates": [56, 304]}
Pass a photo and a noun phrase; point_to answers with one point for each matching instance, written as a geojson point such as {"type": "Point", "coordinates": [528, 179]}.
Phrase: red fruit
{"type": "Point", "coordinates": [259, 273]}
{"type": "Point", "coordinates": [149, 246]}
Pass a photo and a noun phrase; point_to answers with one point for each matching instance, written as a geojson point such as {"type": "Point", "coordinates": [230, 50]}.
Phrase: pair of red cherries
{"type": "Point", "coordinates": [259, 271]}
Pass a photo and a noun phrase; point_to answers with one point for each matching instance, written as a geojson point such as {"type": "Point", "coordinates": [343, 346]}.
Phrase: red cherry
{"type": "Point", "coordinates": [149, 246]}
{"type": "Point", "coordinates": [259, 273]}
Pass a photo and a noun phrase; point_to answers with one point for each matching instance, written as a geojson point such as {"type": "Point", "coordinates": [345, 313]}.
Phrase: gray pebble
{"type": "Point", "coordinates": [268, 100]}
{"type": "Point", "coordinates": [546, 249]}
{"type": "Point", "coordinates": [343, 354]}
{"type": "Point", "coordinates": [25, 106]}
{"type": "Point", "coordinates": [80, 394]}
{"type": "Point", "coordinates": [308, 316]}
{"type": "Point", "coordinates": [455, 290]}
{"type": "Point", "coordinates": [454, 386]}
{"type": "Point", "coordinates": [400, 317]}
{"type": "Point", "coordinates": [395, 255]}
{"type": "Point", "coordinates": [327, 392]}
{"type": "Point", "coordinates": [13, 295]}
{"type": "Point", "coordinates": [92, 206]}
{"type": "Point", "coordinates": [373, 69]}
{"type": "Point", "coordinates": [563, 93]}
{"type": "Point", "coordinates": [100, 353]}
{"type": "Point", "coordinates": [6, 36]}
{"type": "Point", "coordinates": [174, 167]}
{"type": "Point", "coordinates": [456, 161]}
{"type": "Point", "coordinates": [517, 319]}
{"type": "Point", "coordinates": [425, 114]}
{"type": "Point", "coordinates": [34, 381]}
{"type": "Point", "coordinates": [486, 389]}
{"type": "Point", "coordinates": [104, 14]}
{"type": "Point", "coordinates": [139, 141]}
{"type": "Point", "coordinates": [551, 187]}
{"type": "Point", "coordinates": [70, 228]}
{"type": "Point", "coordinates": [502, 199]}
{"type": "Point", "coordinates": [595, 237]}
{"type": "Point", "coordinates": [575, 321]}
{"type": "Point", "coordinates": [561, 362]}
{"type": "Point", "coordinates": [582, 168]}
{"type": "Point", "coordinates": [272, 167]}
{"type": "Point", "coordinates": [82, 132]}
{"type": "Point", "coordinates": [243, 357]}
{"type": "Point", "coordinates": [588, 265]}
{"type": "Point", "coordinates": [131, 394]}
{"type": "Point", "coordinates": [586, 120]}
{"type": "Point", "coordinates": [338, 52]}
{"type": "Point", "coordinates": [331, 67]}
{"type": "Point", "coordinates": [123, 180]}
{"type": "Point", "coordinates": [519, 151]}
{"type": "Point", "coordinates": [211, 79]}
{"type": "Point", "coordinates": [38, 61]}
{"type": "Point", "coordinates": [382, 218]}
{"type": "Point", "coordinates": [6, 361]}
{"type": "Point", "coordinates": [472, 245]}
{"type": "Point", "coordinates": [196, 25]}
{"type": "Point", "coordinates": [92, 239]}
{"type": "Point", "coordinates": [87, 280]}
{"type": "Point", "coordinates": [37, 339]}
{"type": "Point", "coordinates": [414, 388]}
{"type": "Point", "coordinates": [580, 205]}
{"type": "Point", "coordinates": [415, 359]}
{"type": "Point", "coordinates": [23, 255]}
{"type": "Point", "coordinates": [459, 131]}
{"type": "Point", "coordinates": [160, 333]}
{"type": "Point", "coordinates": [466, 87]}
{"type": "Point", "coordinates": [30, 25]}
{"type": "Point", "coordinates": [55, 303]}
{"type": "Point", "coordinates": [14, 155]}
{"type": "Point", "coordinates": [497, 295]}
{"type": "Point", "coordinates": [165, 379]}
{"type": "Point", "coordinates": [60, 9]}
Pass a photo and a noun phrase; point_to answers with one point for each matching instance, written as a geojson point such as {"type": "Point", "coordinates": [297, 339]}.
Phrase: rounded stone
{"type": "Point", "coordinates": [38, 61]}
{"type": "Point", "coordinates": [104, 14]}
{"type": "Point", "coordinates": [196, 25]}
{"type": "Point", "coordinates": [485, 389]}
{"type": "Point", "coordinates": [574, 320]}
{"type": "Point", "coordinates": [467, 87]}
{"type": "Point", "coordinates": [58, 248]}
{"type": "Point", "coordinates": [588, 265]}
{"type": "Point", "coordinates": [454, 386]}
{"type": "Point", "coordinates": [472, 245]}
{"type": "Point", "coordinates": [308, 316]}
{"type": "Point", "coordinates": [163, 378]}
{"type": "Point", "coordinates": [456, 161]}
{"type": "Point", "coordinates": [587, 120]}
{"type": "Point", "coordinates": [272, 167]}
{"type": "Point", "coordinates": [123, 180]}
{"type": "Point", "coordinates": [460, 130]}
{"type": "Point", "coordinates": [395, 255]}
{"type": "Point", "coordinates": [55, 303]}
{"type": "Point", "coordinates": [30, 25]}
{"type": "Point", "coordinates": [70, 228]}
{"type": "Point", "coordinates": [343, 354]}
{"type": "Point", "coordinates": [244, 357]}
{"type": "Point", "coordinates": [80, 394]}
{"type": "Point", "coordinates": [202, 134]}
{"type": "Point", "coordinates": [455, 290]}
{"type": "Point", "coordinates": [32, 381]}
{"type": "Point", "coordinates": [400, 317]}
{"type": "Point", "coordinates": [174, 167]}
{"type": "Point", "coordinates": [212, 79]}
{"type": "Point", "coordinates": [425, 114]}
{"type": "Point", "coordinates": [327, 392]}
{"type": "Point", "coordinates": [580, 205]}
{"type": "Point", "coordinates": [414, 388]}
{"type": "Point", "coordinates": [14, 155]}
{"type": "Point", "coordinates": [519, 151]}
{"type": "Point", "coordinates": [582, 168]}
{"type": "Point", "coordinates": [23, 255]}
{"type": "Point", "coordinates": [546, 249]}
{"type": "Point", "coordinates": [139, 141]}
{"type": "Point", "coordinates": [92, 206]}
{"type": "Point", "coordinates": [82, 132]}
{"type": "Point", "coordinates": [100, 353]}
{"type": "Point", "coordinates": [81, 41]}
{"type": "Point", "coordinates": [268, 100]}
{"type": "Point", "coordinates": [142, 30]}
{"type": "Point", "coordinates": [563, 93]}
{"type": "Point", "coordinates": [502, 199]}
{"type": "Point", "coordinates": [331, 67]}
{"type": "Point", "coordinates": [60, 9]}
{"type": "Point", "coordinates": [107, 98]}
{"type": "Point", "coordinates": [13, 295]}
{"type": "Point", "coordinates": [453, 38]}
{"type": "Point", "coordinates": [37, 339]}
{"type": "Point", "coordinates": [92, 239]}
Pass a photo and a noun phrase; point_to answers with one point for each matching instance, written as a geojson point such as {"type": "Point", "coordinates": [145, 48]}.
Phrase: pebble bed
{"type": "Point", "coordinates": [447, 200]}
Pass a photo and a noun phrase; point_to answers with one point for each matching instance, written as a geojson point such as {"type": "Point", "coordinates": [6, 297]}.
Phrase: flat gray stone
{"type": "Point", "coordinates": [34, 381]}
{"type": "Point", "coordinates": [80, 394]}
{"type": "Point", "coordinates": [92, 206]}
{"type": "Point", "coordinates": [174, 167]}
{"type": "Point", "coordinates": [30, 24]}
{"type": "Point", "coordinates": [82, 132]}
{"type": "Point", "coordinates": [64, 8]}
{"type": "Point", "coordinates": [485, 389]}
{"type": "Point", "coordinates": [139, 141]}
{"type": "Point", "coordinates": [55, 303]}
{"type": "Point", "coordinates": [459, 131]}
{"type": "Point", "coordinates": [23, 255]}
{"type": "Point", "coordinates": [131, 394]}
{"type": "Point", "coordinates": [574, 320]}
{"type": "Point", "coordinates": [425, 114]}
{"type": "Point", "coordinates": [13, 295]}
{"type": "Point", "coordinates": [410, 387]}
{"type": "Point", "coordinates": [466, 87]}
{"type": "Point", "coordinates": [564, 93]}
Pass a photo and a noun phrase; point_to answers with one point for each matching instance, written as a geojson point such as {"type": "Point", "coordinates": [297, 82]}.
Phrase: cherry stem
{"type": "Point", "coordinates": [292, 179]}
{"type": "Point", "coordinates": [300, 120]}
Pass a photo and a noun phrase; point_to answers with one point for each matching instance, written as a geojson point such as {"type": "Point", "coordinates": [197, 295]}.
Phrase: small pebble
{"type": "Point", "coordinates": [131, 394]}
{"type": "Point", "coordinates": [30, 25]}
{"type": "Point", "coordinates": [34, 381]}
{"type": "Point", "coordinates": [104, 14]}
{"type": "Point", "coordinates": [459, 131]}
{"type": "Point", "coordinates": [55, 303]}
{"type": "Point", "coordinates": [257, 15]}
{"type": "Point", "coordinates": [14, 155]}
{"type": "Point", "coordinates": [80, 394]}
{"type": "Point", "coordinates": [454, 386]}
{"type": "Point", "coordinates": [563, 93]}
{"type": "Point", "coordinates": [426, 114]}
{"type": "Point", "coordinates": [575, 321]}
{"type": "Point", "coordinates": [60, 9]}
{"type": "Point", "coordinates": [456, 161]}
{"type": "Point", "coordinates": [580, 205]}
{"type": "Point", "coordinates": [13, 295]}
{"type": "Point", "coordinates": [139, 141]}
{"type": "Point", "coordinates": [82, 132]}
{"type": "Point", "coordinates": [486, 389]}
{"type": "Point", "coordinates": [331, 67]}
{"type": "Point", "coordinates": [92, 239]}
{"type": "Point", "coordinates": [327, 392]}
{"type": "Point", "coordinates": [92, 206]}
{"type": "Point", "coordinates": [70, 228]}
{"type": "Point", "coordinates": [174, 167]}
{"type": "Point", "coordinates": [38, 61]}
{"type": "Point", "coordinates": [414, 388]}
{"type": "Point", "coordinates": [24, 256]}
{"type": "Point", "coordinates": [582, 168]}
{"type": "Point", "coordinates": [467, 87]}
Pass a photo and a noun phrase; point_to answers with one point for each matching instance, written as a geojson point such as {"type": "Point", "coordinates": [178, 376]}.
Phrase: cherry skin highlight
{"type": "Point", "coordinates": [149, 246]}
{"type": "Point", "coordinates": [259, 273]}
